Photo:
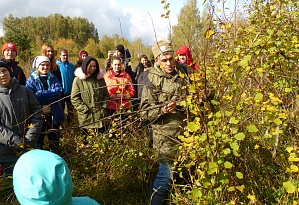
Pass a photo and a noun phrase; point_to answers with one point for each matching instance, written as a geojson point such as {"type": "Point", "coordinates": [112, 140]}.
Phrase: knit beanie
{"type": "Point", "coordinates": [85, 64]}
{"type": "Point", "coordinates": [161, 46]}
{"type": "Point", "coordinates": [9, 45]}
{"type": "Point", "coordinates": [121, 49]}
{"type": "Point", "coordinates": [4, 65]}
{"type": "Point", "coordinates": [81, 53]}
{"type": "Point", "coordinates": [38, 60]}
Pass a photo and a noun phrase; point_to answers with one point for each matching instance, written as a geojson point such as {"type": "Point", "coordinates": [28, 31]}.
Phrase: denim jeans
{"type": "Point", "coordinates": [163, 178]}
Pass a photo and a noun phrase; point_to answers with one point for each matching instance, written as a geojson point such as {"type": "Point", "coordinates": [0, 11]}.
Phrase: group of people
{"type": "Point", "coordinates": [27, 112]}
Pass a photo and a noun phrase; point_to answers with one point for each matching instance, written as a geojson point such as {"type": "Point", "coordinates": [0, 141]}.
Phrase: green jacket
{"type": "Point", "coordinates": [89, 96]}
{"type": "Point", "coordinates": [166, 127]}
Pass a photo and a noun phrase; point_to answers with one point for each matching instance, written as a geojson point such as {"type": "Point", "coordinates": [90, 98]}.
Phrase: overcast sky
{"type": "Point", "coordinates": [133, 16]}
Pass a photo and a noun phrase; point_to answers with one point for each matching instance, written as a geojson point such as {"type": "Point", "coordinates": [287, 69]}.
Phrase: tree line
{"type": "Point", "coordinates": [74, 34]}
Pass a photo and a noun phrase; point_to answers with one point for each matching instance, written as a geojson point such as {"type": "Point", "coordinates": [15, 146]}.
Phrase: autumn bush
{"type": "Point", "coordinates": [244, 150]}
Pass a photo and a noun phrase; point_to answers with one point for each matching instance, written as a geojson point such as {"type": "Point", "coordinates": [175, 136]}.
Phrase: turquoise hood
{"type": "Point", "coordinates": [41, 177]}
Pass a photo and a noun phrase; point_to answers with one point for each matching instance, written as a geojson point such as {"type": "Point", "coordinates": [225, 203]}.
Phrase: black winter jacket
{"type": "Point", "coordinates": [20, 119]}
{"type": "Point", "coordinates": [15, 70]}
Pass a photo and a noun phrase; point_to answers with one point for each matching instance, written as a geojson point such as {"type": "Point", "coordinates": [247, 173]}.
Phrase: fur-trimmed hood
{"type": "Point", "coordinates": [80, 74]}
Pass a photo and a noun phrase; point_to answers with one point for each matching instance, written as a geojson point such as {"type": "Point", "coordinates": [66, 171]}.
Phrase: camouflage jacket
{"type": "Point", "coordinates": [166, 127]}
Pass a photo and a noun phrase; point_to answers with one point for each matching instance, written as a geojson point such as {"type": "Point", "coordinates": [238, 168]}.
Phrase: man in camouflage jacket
{"type": "Point", "coordinates": [162, 93]}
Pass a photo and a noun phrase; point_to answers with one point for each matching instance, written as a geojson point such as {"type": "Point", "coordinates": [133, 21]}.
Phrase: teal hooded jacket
{"type": "Point", "coordinates": [43, 178]}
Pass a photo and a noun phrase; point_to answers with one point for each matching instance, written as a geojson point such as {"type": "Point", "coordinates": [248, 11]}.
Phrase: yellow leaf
{"type": "Point", "coordinates": [293, 158]}
{"type": "Point", "coordinates": [235, 58]}
{"type": "Point", "coordinates": [240, 188]}
{"type": "Point", "coordinates": [219, 10]}
{"type": "Point", "coordinates": [256, 146]}
{"type": "Point", "coordinates": [270, 108]}
{"type": "Point", "coordinates": [289, 149]}
{"type": "Point", "coordinates": [187, 144]}
{"type": "Point", "coordinates": [294, 168]}
{"type": "Point", "coordinates": [189, 139]}
{"type": "Point", "coordinates": [251, 197]}
{"type": "Point", "coordinates": [260, 70]}
{"type": "Point", "coordinates": [31, 125]}
{"type": "Point", "coordinates": [227, 26]}
{"type": "Point", "coordinates": [209, 33]}
{"type": "Point", "coordinates": [275, 100]}
{"type": "Point", "coordinates": [289, 187]}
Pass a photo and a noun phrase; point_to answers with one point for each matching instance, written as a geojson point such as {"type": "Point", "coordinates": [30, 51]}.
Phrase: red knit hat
{"type": "Point", "coordinates": [9, 45]}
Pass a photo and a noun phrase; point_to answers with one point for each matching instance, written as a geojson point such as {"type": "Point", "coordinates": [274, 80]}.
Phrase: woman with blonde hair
{"type": "Point", "coordinates": [48, 50]}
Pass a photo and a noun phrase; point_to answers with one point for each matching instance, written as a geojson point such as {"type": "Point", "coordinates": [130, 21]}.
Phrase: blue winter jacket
{"type": "Point", "coordinates": [67, 70]}
{"type": "Point", "coordinates": [46, 97]}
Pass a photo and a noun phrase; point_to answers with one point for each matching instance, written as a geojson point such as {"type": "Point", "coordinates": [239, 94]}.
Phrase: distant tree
{"type": "Point", "coordinates": [137, 48]}
{"type": "Point", "coordinates": [109, 43]}
{"type": "Point", "coordinates": [93, 49]}
{"type": "Point", "coordinates": [68, 44]}
{"type": "Point", "coordinates": [15, 32]}
{"type": "Point", "coordinates": [82, 31]}
{"type": "Point", "coordinates": [23, 31]}
{"type": "Point", "coordinates": [106, 44]}
{"type": "Point", "coordinates": [189, 31]}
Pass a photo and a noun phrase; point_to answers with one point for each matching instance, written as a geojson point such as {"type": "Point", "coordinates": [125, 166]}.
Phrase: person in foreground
{"type": "Point", "coordinates": [20, 118]}
{"type": "Point", "coordinates": [43, 177]}
{"type": "Point", "coordinates": [160, 105]}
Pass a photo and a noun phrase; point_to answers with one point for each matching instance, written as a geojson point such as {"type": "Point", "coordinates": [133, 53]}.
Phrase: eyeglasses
{"type": "Point", "coordinates": [3, 72]}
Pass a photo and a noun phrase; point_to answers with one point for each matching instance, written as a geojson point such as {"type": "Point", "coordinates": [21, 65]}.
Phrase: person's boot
{"type": "Point", "coordinates": [157, 198]}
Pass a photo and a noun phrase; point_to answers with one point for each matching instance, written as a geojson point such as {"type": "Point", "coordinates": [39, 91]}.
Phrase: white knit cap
{"type": "Point", "coordinates": [39, 59]}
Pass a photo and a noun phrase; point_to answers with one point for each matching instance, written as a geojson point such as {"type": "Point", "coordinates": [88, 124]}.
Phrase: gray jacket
{"type": "Point", "coordinates": [20, 119]}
